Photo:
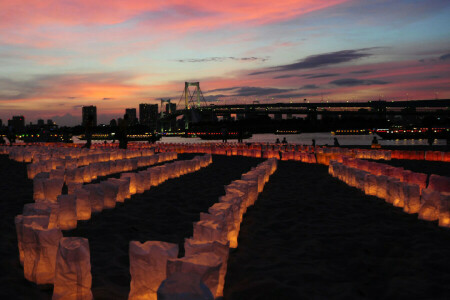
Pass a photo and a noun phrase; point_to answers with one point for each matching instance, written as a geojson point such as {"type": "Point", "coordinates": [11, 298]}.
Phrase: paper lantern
{"type": "Point", "coordinates": [72, 186]}
{"type": "Point", "coordinates": [444, 210]}
{"type": "Point", "coordinates": [148, 265]}
{"type": "Point", "coordinates": [19, 222]}
{"type": "Point", "coordinates": [209, 230]}
{"type": "Point", "coordinates": [132, 179]}
{"type": "Point", "coordinates": [39, 247]}
{"type": "Point", "coordinates": [83, 203]}
{"type": "Point", "coordinates": [73, 270]}
{"type": "Point", "coordinates": [52, 189]}
{"type": "Point", "coordinates": [207, 265]}
{"type": "Point", "coordinates": [429, 205]}
{"type": "Point", "coordinates": [48, 210]}
{"type": "Point", "coordinates": [183, 286]}
{"type": "Point", "coordinates": [124, 188]}
{"type": "Point", "coordinates": [67, 212]}
{"type": "Point", "coordinates": [411, 195]}
{"type": "Point", "coordinates": [192, 247]}
{"type": "Point", "coordinates": [38, 186]}
{"type": "Point", "coordinates": [370, 185]}
{"type": "Point", "coordinates": [439, 183]}
{"type": "Point", "coordinates": [96, 197]}
{"type": "Point", "coordinates": [382, 186]}
{"type": "Point", "coordinates": [110, 192]}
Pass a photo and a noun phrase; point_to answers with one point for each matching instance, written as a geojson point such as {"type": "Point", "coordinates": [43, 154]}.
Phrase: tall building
{"type": "Point", "coordinates": [148, 115]}
{"type": "Point", "coordinates": [89, 111]}
{"type": "Point", "coordinates": [40, 123]}
{"type": "Point", "coordinates": [131, 112]}
{"type": "Point", "coordinates": [1, 123]}
{"type": "Point", "coordinates": [171, 108]}
{"type": "Point", "coordinates": [17, 122]}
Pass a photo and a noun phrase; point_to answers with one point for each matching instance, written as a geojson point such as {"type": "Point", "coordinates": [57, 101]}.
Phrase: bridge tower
{"type": "Point", "coordinates": [191, 100]}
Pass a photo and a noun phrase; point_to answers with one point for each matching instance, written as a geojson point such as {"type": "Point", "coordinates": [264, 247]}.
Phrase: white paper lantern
{"type": "Point", "coordinates": [73, 277]}
{"type": "Point", "coordinates": [148, 265]}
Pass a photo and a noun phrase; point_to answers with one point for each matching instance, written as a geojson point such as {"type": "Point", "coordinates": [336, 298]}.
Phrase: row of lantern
{"type": "Point", "coordinates": [49, 258]}
{"type": "Point", "coordinates": [399, 187]}
{"type": "Point", "coordinates": [46, 165]}
{"type": "Point", "coordinates": [157, 273]}
{"type": "Point", "coordinates": [47, 186]}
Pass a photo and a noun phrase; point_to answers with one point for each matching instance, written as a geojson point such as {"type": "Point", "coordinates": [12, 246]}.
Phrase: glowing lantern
{"type": "Point", "coordinates": [38, 186]}
{"type": "Point", "coordinates": [429, 206]}
{"type": "Point", "coordinates": [83, 204]}
{"type": "Point", "coordinates": [67, 212]}
{"type": "Point", "coordinates": [52, 189]}
{"type": "Point", "coordinates": [370, 185]}
{"type": "Point", "coordinates": [48, 210]}
{"type": "Point", "coordinates": [72, 186]}
{"type": "Point", "coordinates": [39, 246]}
{"type": "Point", "coordinates": [110, 192]}
{"type": "Point", "coordinates": [411, 196]}
{"type": "Point", "coordinates": [382, 186]}
{"type": "Point", "coordinates": [20, 221]}
{"type": "Point", "coordinates": [124, 188]}
{"type": "Point", "coordinates": [132, 179]}
{"type": "Point", "coordinates": [209, 230]}
{"type": "Point", "coordinates": [222, 250]}
{"type": "Point", "coordinates": [148, 265]}
{"type": "Point", "coordinates": [73, 270]}
{"type": "Point", "coordinates": [96, 197]}
{"type": "Point", "coordinates": [444, 210]}
{"type": "Point", "coordinates": [439, 183]}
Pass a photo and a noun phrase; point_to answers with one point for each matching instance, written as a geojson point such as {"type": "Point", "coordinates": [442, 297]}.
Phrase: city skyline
{"type": "Point", "coordinates": [59, 56]}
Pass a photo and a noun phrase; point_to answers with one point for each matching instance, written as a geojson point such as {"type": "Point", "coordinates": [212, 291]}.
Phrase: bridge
{"type": "Point", "coordinates": [197, 109]}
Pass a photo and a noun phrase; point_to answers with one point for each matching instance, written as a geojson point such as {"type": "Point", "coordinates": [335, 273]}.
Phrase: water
{"type": "Point", "coordinates": [322, 138]}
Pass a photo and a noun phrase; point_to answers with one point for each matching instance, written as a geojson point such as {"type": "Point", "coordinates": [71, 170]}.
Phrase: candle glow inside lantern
{"type": "Point", "coordinates": [39, 246]}
{"type": "Point", "coordinates": [83, 203]}
{"type": "Point", "coordinates": [411, 194]}
{"type": "Point", "coordinates": [148, 266]}
{"type": "Point", "coordinates": [444, 210]}
{"type": "Point", "coordinates": [67, 212]}
{"type": "Point", "coordinates": [73, 277]}
{"type": "Point", "coordinates": [429, 205]}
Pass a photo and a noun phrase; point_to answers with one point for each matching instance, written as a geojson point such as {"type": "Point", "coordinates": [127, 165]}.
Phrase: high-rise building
{"type": "Point", "coordinates": [148, 115]}
{"type": "Point", "coordinates": [89, 112]}
{"type": "Point", "coordinates": [40, 123]}
{"type": "Point", "coordinates": [17, 122]}
{"type": "Point", "coordinates": [1, 123]}
{"type": "Point", "coordinates": [171, 108]}
{"type": "Point", "coordinates": [131, 112]}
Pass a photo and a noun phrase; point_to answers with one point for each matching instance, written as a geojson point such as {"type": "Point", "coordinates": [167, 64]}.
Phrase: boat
{"type": "Point", "coordinates": [352, 132]}
{"type": "Point", "coordinates": [232, 135]}
{"type": "Point", "coordinates": [284, 132]}
{"type": "Point", "coordinates": [400, 133]}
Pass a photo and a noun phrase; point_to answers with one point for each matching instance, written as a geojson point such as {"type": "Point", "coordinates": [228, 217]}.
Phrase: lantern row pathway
{"type": "Point", "coordinates": [164, 213]}
{"type": "Point", "coordinates": [420, 166]}
{"type": "Point", "coordinates": [310, 236]}
{"type": "Point", "coordinates": [15, 191]}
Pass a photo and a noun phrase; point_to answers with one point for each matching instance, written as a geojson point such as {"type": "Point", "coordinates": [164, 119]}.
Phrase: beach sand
{"type": "Point", "coordinates": [309, 236]}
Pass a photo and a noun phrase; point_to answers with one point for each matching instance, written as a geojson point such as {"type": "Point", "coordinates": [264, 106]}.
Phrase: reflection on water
{"type": "Point", "coordinates": [322, 138]}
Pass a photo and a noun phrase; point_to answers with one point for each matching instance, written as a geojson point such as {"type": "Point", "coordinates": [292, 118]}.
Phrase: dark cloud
{"type": "Point", "coordinates": [445, 56]}
{"type": "Point", "coordinates": [258, 91]}
{"type": "Point", "coordinates": [320, 60]}
{"type": "Point", "coordinates": [246, 91]}
{"type": "Point", "coordinates": [72, 97]}
{"type": "Point", "coordinates": [361, 72]}
{"type": "Point", "coordinates": [107, 98]}
{"type": "Point", "coordinates": [299, 95]}
{"type": "Point", "coordinates": [320, 75]}
{"type": "Point", "coordinates": [222, 90]}
{"type": "Point", "coordinates": [222, 58]}
{"type": "Point", "coordinates": [309, 87]}
{"type": "Point", "coordinates": [309, 76]}
{"type": "Point", "coordinates": [356, 82]}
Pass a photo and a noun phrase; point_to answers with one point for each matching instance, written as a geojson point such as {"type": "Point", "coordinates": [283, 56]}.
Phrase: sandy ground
{"type": "Point", "coordinates": [309, 236]}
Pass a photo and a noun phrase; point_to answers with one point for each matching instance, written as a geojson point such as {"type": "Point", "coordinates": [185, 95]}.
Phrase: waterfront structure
{"type": "Point", "coordinates": [148, 115]}
{"type": "Point", "coordinates": [89, 111]}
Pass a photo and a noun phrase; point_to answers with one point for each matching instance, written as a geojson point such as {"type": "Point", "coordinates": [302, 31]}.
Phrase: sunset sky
{"type": "Point", "coordinates": [58, 55]}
